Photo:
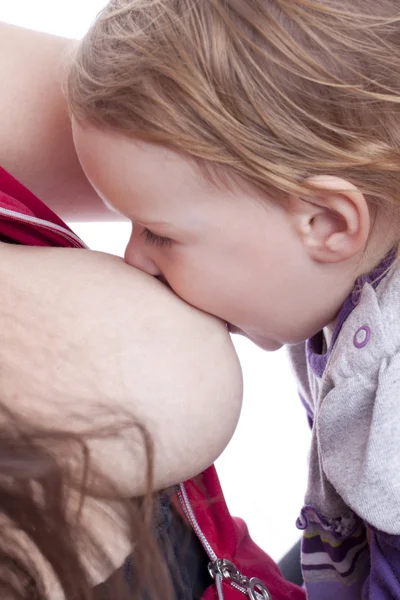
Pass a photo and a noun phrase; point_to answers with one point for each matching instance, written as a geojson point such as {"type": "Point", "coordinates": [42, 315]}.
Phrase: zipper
{"type": "Point", "coordinates": [253, 587]}
{"type": "Point", "coordinates": [65, 233]}
{"type": "Point", "coordinates": [218, 568]}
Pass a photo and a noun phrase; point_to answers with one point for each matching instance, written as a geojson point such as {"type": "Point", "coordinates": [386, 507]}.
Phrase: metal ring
{"type": "Point", "coordinates": [256, 586]}
{"type": "Point", "coordinates": [230, 571]}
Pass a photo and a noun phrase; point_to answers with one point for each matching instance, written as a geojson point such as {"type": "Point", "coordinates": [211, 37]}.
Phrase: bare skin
{"type": "Point", "coordinates": [103, 342]}
{"type": "Point", "coordinates": [35, 136]}
{"type": "Point", "coordinates": [87, 342]}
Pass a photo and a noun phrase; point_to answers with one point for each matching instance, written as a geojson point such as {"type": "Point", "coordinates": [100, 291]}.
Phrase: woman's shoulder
{"type": "Point", "coordinates": [36, 143]}
{"type": "Point", "coordinates": [30, 99]}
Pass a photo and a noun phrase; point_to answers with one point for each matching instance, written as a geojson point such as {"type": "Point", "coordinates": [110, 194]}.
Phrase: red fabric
{"type": "Point", "coordinates": [228, 537]}
{"type": "Point", "coordinates": [16, 198]}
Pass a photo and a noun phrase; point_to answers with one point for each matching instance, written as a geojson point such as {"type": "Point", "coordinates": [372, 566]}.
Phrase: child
{"type": "Point", "coordinates": [274, 127]}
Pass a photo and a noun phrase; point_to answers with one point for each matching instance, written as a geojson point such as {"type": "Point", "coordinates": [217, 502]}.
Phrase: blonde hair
{"type": "Point", "coordinates": [272, 91]}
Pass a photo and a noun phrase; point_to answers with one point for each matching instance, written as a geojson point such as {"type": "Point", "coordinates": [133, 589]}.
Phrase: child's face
{"type": "Point", "coordinates": [226, 252]}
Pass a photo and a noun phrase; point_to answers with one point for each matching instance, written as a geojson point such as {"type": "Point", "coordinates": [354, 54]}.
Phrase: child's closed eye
{"type": "Point", "coordinates": [156, 240]}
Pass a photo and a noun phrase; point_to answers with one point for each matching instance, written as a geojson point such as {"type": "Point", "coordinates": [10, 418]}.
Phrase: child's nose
{"type": "Point", "coordinates": [137, 255]}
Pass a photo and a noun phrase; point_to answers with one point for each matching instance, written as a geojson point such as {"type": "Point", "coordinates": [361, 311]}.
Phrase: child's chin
{"type": "Point", "coordinates": [263, 343]}
{"type": "Point", "coordinates": [266, 344]}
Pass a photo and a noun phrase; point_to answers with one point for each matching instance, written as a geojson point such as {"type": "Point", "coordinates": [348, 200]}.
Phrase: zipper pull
{"type": "Point", "coordinates": [253, 587]}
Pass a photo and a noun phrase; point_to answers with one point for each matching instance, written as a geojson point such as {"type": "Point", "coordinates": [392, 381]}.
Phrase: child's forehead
{"type": "Point", "coordinates": [127, 166]}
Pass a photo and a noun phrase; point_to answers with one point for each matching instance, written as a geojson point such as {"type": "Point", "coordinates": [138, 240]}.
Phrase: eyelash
{"type": "Point", "coordinates": [156, 240]}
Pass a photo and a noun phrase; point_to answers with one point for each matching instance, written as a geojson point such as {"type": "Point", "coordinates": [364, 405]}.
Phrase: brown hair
{"type": "Point", "coordinates": [272, 90]}
{"type": "Point", "coordinates": [41, 536]}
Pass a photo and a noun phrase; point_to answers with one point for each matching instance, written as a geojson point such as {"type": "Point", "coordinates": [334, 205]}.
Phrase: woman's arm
{"type": "Point", "coordinates": [36, 143]}
{"type": "Point", "coordinates": [86, 340]}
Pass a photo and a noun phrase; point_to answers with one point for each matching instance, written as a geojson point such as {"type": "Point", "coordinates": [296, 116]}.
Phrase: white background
{"type": "Point", "coordinates": [263, 470]}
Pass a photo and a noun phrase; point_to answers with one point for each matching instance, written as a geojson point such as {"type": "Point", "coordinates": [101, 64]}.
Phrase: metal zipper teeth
{"type": "Point", "coordinates": [241, 589]}
{"type": "Point", "coordinates": [185, 502]}
{"type": "Point", "coordinates": [65, 233]}
{"type": "Point", "coordinates": [187, 507]}
{"type": "Point", "coordinates": [188, 510]}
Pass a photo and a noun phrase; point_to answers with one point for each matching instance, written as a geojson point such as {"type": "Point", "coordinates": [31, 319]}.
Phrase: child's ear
{"type": "Point", "coordinates": [334, 225]}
